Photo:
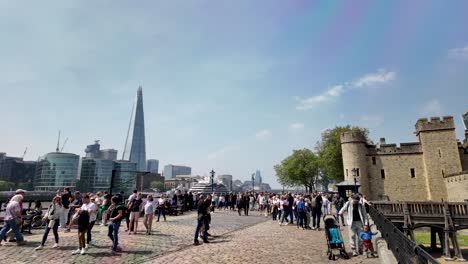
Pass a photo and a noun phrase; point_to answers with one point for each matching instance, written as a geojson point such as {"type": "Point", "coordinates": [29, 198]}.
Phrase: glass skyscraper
{"type": "Point", "coordinates": [95, 175]}
{"type": "Point", "coordinates": [465, 120]}
{"type": "Point", "coordinates": [56, 171]}
{"type": "Point", "coordinates": [171, 171]}
{"type": "Point", "coordinates": [135, 148]}
{"type": "Point", "coordinates": [125, 177]}
{"type": "Point", "coordinates": [153, 165]}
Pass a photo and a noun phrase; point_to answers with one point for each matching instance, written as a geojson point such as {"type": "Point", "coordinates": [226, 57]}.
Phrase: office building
{"type": "Point", "coordinates": [16, 170]}
{"type": "Point", "coordinates": [171, 171]}
{"type": "Point", "coordinates": [56, 171]}
{"type": "Point", "coordinates": [152, 165]}
{"type": "Point", "coordinates": [125, 176]}
{"type": "Point", "coordinates": [135, 146]}
{"type": "Point", "coordinates": [95, 175]}
{"type": "Point", "coordinates": [95, 151]}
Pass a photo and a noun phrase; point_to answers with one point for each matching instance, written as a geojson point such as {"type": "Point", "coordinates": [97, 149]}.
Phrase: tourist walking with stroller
{"type": "Point", "coordinates": [52, 220]}
{"type": "Point", "coordinates": [356, 219]}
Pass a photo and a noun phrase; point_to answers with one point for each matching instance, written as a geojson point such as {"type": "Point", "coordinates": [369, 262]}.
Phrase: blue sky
{"type": "Point", "coordinates": [229, 85]}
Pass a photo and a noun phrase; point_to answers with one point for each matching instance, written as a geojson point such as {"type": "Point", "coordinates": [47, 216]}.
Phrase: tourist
{"type": "Point", "coordinates": [91, 208]}
{"type": "Point", "coordinates": [149, 213]}
{"type": "Point", "coordinates": [98, 200]}
{"type": "Point", "coordinates": [290, 210]}
{"type": "Point", "coordinates": [294, 209]}
{"type": "Point", "coordinates": [13, 219]}
{"type": "Point", "coordinates": [356, 219]}
{"type": "Point", "coordinates": [366, 236]}
{"type": "Point", "coordinates": [339, 203]}
{"type": "Point", "coordinates": [302, 212]}
{"type": "Point", "coordinates": [325, 204]}
{"type": "Point", "coordinates": [316, 210]}
{"type": "Point", "coordinates": [52, 220]}
{"type": "Point", "coordinates": [274, 208]}
{"type": "Point", "coordinates": [262, 204]}
{"type": "Point", "coordinates": [202, 220]}
{"type": "Point", "coordinates": [103, 209]}
{"type": "Point", "coordinates": [221, 201]}
{"type": "Point", "coordinates": [135, 209]}
{"type": "Point", "coordinates": [234, 201]}
{"type": "Point", "coordinates": [76, 204]}
{"type": "Point", "coordinates": [246, 199]}
{"type": "Point", "coordinates": [66, 200]}
{"type": "Point", "coordinates": [252, 201]}
{"type": "Point", "coordinates": [285, 209]}
{"type": "Point", "coordinates": [308, 206]}
{"type": "Point", "coordinates": [116, 213]}
{"type": "Point", "coordinates": [82, 217]}
{"type": "Point", "coordinates": [240, 205]}
{"type": "Point", "coordinates": [161, 208]}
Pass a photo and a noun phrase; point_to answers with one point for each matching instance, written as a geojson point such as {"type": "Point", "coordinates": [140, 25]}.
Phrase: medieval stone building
{"type": "Point", "coordinates": [434, 168]}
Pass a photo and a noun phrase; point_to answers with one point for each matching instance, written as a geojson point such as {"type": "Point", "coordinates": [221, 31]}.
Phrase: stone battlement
{"type": "Point", "coordinates": [434, 124]}
{"type": "Point", "coordinates": [353, 137]}
{"type": "Point", "coordinates": [388, 149]}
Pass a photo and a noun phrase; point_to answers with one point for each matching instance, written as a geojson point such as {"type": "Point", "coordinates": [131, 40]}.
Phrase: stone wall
{"type": "Point", "coordinates": [464, 158]}
{"type": "Point", "coordinates": [457, 187]}
{"type": "Point", "coordinates": [398, 183]}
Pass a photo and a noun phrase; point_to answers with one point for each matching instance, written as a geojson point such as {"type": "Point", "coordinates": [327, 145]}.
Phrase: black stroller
{"type": "Point", "coordinates": [334, 238]}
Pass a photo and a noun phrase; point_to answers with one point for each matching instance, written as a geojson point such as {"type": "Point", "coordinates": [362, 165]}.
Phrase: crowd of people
{"type": "Point", "coordinates": [87, 210]}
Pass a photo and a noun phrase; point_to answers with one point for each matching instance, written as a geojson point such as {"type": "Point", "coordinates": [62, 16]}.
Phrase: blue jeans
{"type": "Point", "coordinates": [202, 222]}
{"type": "Point", "coordinates": [290, 213]}
{"type": "Point", "coordinates": [54, 230]}
{"type": "Point", "coordinates": [11, 224]}
{"type": "Point", "coordinates": [161, 210]}
{"type": "Point", "coordinates": [275, 213]}
{"type": "Point", "coordinates": [113, 234]}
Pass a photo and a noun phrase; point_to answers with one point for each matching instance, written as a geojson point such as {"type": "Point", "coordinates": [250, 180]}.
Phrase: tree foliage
{"type": "Point", "coordinates": [329, 151]}
{"type": "Point", "coordinates": [299, 169]}
{"type": "Point", "coordinates": [7, 186]}
{"type": "Point", "coordinates": [158, 185]}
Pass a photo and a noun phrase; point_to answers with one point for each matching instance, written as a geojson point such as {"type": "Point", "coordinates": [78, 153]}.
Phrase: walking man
{"type": "Point", "coordinates": [357, 218]}
{"type": "Point", "coordinates": [316, 210]}
{"type": "Point", "coordinates": [202, 220]}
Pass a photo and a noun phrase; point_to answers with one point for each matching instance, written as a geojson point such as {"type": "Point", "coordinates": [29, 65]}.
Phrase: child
{"type": "Point", "coordinates": [149, 212]}
{"type": "Point", "coordinates": [83, 224]}
{"type": "Point", "coordinates": [366, 236]}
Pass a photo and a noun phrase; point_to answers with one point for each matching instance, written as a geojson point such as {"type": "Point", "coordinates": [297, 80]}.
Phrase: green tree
{"type": "Point", "coordinates": [158, 185]}
{"type": "Point", "coordinates": [299, 169]}
{"type": "Point", "coordinates": [330, 157]}
{"type": "Point", "coordinates": [6, 186]}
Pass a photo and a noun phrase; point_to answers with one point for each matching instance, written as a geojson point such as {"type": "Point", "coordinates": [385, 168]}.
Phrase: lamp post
{"type": "Point", "coordinates": [253, 182]}
{"type": "Point", "coordinates": [353, 171]}
{"type": "Point", "coordinates": [212, 177]}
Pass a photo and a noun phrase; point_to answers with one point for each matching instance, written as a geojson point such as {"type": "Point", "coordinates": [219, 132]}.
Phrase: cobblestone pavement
{"type": "Point", "coordinates": [251, 239]}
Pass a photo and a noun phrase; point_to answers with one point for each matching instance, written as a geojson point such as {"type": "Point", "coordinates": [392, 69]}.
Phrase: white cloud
{"type": "Point", "coordinates": [380, 77]}
{"type": "Point", "coordinates": [263, 134]}
{"type": "Point", "coordinates": [223, 151]}
{"type": "Point", "coordinates": [459, 53]}
{"type": "Point", "coordinates": [432, 108]}
{"type": "Point", "coordinates": [296, 126]}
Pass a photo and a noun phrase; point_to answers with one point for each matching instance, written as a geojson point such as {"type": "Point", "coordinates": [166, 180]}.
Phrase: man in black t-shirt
{"type": "Point", "coordinates": [66, 199]}
{"type": "Point", "coordinates": [316, 210]}
{"type": "Point", "coordinates": [202, 219]}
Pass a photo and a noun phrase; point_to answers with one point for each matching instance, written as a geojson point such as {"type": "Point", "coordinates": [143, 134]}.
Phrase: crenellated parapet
{"type": "Point", "coordinates": [434, 124]}
{"type": "Point", "coordinates": [394, 149]}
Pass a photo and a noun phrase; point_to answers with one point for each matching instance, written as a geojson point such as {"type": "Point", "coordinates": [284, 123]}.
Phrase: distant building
{"type": "Point", "coordinates": [465, 120]}
{"type": "Point", "coordinates": [152, 165]}
{"type": "Point", "coordinates": [56, 171]}
{"type": "Point", "coordinates": [135, 145]}
{"type": "Point", "coordinates": [181, 183]}
{"type": "Point", "coordinates": [258, 177]}
{"type": "Point", "coordinates": [226, 179]}
{"type": "Point", "coordinates": [95, 175]}
{"type": "Point", "coordinates": [125, 176]}
{"type": "Point", "coordinates": [94, 151]}
{"type": "Point", "coordinates": [16, 170]}
{"type": "Point", "coordinates": [171, 171]}
{"type": "Point", "coordinates": [144, 180]}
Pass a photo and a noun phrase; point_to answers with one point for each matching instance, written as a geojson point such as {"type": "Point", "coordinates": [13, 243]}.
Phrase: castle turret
{"type": "Point", "coordinates": [353, 146]}
{"type": "Point", "coordinates": [441, 156]}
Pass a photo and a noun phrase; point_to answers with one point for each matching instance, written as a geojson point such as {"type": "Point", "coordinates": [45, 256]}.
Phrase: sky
{"type": "Point", "coordinates": [232, 86]}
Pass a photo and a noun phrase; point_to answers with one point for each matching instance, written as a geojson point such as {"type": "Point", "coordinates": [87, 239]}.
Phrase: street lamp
{"type": "Point", "coordinates": [353, 171]}
{"type": "Point", "coordinates": [253, 182]}
{"type": "Point", "coordinates": [212, 177]}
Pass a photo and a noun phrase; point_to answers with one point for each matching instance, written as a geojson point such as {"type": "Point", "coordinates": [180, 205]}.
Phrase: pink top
{"type": "Point", "coordinates": [11, 211]}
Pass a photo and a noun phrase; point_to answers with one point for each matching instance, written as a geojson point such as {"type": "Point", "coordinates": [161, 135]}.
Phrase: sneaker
{"type": "Point", "coordinates": [206, 241]}
{"type": "Point", "coordinates": [55, 245]}
{"type": "Point", "coordinates": [313, 228]}
{"type": "Point", "coordinates": [355, 254]}
{"type": "Point", "coordinates": [83, 251]}
{"type": "Point", "coordinates": [87, 246]}
{"type": "Point", "coordinates": [22, 243]}
{"type": "Point", "coordinates": [76, 252]}
{"type": "Point", "coordinates": [196, 243]}
{"type": "Point", "coordinates": [286, 223]}
{"type": "Point", "coordinates": [39, 247]}
{"type": "Point", "coordinates": [374, 255]}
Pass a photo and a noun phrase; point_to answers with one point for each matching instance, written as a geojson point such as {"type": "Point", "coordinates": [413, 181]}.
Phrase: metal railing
{"type": "Point", "coordinates": [405, 250]}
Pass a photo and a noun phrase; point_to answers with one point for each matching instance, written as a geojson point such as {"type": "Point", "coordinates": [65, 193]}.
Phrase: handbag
{"type": "Point", "coordinates": [51, 223]}
{"type": "Point", "coordinates": [50, 216]}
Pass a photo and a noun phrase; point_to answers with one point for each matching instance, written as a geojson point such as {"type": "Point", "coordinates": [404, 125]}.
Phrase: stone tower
{"type": "Point", "coordinates": [441, 156]}
{"type": "Point", "coordinates": [353, 146]}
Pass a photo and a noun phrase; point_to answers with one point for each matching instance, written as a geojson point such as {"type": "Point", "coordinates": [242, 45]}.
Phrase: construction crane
{"type": "Point", "coordinates": [64, 143]}
{"type": "Point", "coordinates": [58, 143]}
{"type": "Point", "coordinates": [24, 154]}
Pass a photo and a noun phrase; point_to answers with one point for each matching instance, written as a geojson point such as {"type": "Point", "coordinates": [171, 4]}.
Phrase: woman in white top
{"type": "Point", "coordinates": [52, 217]}
{"type": "Point", "coordinates": [149, 213]}
{"type": "Point", "coordinates": [161, 208]}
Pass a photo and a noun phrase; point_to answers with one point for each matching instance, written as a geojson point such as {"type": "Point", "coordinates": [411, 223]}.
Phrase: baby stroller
{"type": "Point", "coordinates": [334, 238]}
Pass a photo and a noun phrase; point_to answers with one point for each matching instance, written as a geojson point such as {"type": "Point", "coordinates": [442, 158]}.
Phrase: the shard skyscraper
{"type": "Point", "coordinates": [135, 147]}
